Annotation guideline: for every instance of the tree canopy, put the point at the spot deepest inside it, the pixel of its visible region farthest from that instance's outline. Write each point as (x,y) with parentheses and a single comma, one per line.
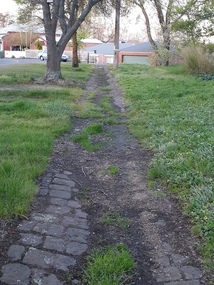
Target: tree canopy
(195,18)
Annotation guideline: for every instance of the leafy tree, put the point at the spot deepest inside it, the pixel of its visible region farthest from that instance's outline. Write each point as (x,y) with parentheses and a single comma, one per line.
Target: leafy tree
(195,19)
(68,15)
(5,19)
(163,9)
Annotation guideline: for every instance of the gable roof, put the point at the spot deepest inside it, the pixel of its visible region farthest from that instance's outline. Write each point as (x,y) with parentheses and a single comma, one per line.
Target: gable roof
(16,28)
(105,48)
(91,41)
(142,47)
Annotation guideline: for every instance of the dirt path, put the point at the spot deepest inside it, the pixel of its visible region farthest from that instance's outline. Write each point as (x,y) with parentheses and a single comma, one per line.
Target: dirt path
(157,235)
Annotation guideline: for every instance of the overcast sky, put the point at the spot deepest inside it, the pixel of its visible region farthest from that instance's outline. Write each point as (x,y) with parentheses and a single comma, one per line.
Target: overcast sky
(129,23)
(8,6)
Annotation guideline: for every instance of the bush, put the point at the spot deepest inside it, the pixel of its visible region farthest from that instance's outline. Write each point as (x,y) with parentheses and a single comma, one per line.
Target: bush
(39,45)
(198,60)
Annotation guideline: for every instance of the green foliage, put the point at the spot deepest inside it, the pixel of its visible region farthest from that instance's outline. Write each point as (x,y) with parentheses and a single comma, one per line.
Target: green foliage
(39,45)
(194,18)
(111,265)
(162,56)
(115,219)
(171,112)
(113,169)
(84,137)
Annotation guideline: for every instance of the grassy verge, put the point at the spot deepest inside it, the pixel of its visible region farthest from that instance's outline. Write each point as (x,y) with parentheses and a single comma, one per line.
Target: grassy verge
(172,113)
(111,265)
(30,120)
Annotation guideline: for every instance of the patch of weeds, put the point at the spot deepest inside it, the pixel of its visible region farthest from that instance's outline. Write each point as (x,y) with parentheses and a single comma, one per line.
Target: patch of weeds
(83,138)
(85,193)
(107,106)
(68,277)
(152,184)
(94,129)
(105,88)
(110,121)
(85,142)
(110,265)
(91,95)
(113,169)
(115,219)
(89,110)
(160,194)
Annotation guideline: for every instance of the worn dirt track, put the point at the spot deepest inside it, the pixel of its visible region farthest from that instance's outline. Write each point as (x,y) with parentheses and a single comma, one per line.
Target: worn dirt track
(157,235)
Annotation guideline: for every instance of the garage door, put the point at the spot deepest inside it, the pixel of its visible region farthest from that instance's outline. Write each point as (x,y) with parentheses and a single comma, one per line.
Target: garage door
(136,59)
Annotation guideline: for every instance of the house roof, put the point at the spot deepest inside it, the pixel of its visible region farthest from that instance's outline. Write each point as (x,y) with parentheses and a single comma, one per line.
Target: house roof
(91,41)
(142,47)
(105,48)
(15,28)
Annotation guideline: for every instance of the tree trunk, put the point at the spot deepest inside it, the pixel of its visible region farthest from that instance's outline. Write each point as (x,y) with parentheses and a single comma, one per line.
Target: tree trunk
(75,61)
(117,34)
(53,64)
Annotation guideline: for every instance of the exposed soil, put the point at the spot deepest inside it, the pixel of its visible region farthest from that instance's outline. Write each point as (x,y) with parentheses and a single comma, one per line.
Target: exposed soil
(156,229)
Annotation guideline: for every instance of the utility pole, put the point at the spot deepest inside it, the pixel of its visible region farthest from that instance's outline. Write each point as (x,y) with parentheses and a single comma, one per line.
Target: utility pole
(117,33)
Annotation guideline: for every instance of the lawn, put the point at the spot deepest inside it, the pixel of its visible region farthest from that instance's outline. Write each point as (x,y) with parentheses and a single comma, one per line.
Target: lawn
(171,112)
(31,117)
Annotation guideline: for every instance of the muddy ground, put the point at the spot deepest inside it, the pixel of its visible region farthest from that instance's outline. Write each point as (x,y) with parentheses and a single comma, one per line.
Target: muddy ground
(151,223)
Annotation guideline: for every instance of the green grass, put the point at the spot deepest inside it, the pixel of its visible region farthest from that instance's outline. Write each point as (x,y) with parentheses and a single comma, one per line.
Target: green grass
(115,219)
(172,113)
(113,169)
(84,137)
(109,266)
(24,74)
(30,120)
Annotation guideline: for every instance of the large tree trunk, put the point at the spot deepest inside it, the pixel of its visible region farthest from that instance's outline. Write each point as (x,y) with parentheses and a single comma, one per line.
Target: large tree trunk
(53,64)
(75,61)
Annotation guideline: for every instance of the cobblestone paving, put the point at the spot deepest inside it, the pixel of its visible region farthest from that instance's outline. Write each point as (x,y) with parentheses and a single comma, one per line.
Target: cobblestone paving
(50,239)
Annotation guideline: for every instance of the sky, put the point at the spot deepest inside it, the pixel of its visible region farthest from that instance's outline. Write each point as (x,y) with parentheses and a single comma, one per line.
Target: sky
(8,6)
(11,7)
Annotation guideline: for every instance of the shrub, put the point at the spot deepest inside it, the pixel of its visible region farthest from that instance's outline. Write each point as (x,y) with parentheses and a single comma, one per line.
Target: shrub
(198,60)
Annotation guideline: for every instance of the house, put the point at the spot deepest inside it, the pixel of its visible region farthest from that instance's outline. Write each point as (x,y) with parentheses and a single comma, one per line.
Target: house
(17,40)
(142,53)
(101,53)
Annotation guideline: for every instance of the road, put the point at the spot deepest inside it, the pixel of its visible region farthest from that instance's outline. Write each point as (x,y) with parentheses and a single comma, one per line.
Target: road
(12,61)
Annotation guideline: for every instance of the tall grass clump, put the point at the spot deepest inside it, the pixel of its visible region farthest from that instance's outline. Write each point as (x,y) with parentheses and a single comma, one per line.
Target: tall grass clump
(109,266)
(198,60)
